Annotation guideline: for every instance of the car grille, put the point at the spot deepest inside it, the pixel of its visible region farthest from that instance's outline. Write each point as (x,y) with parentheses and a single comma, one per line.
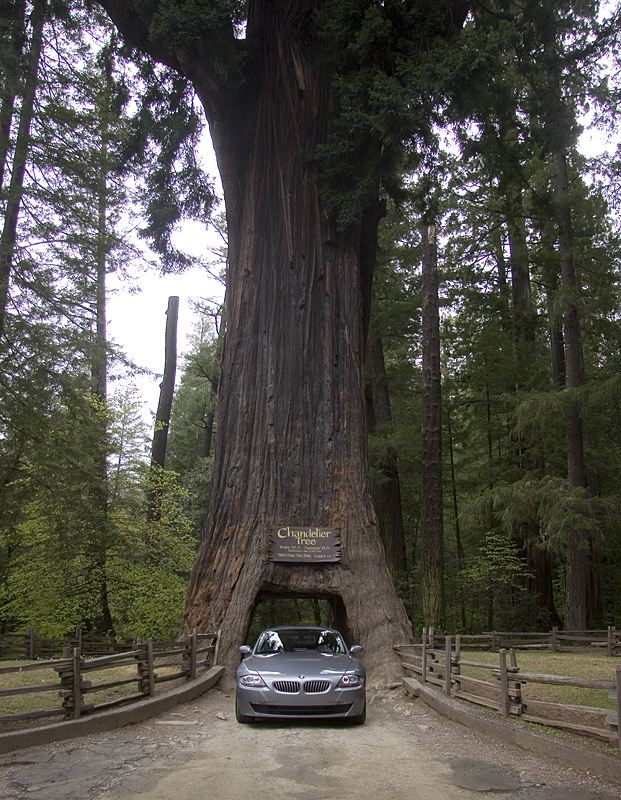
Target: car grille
(301,711)
(291,687)
(313,687)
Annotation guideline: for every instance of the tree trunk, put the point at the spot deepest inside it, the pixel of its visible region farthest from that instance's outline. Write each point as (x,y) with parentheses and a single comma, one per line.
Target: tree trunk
(99,373)
(387,494)
(167,386)
(164,407)
(15,17)
(20,157)
(577,545)
(291,444)
(432,527)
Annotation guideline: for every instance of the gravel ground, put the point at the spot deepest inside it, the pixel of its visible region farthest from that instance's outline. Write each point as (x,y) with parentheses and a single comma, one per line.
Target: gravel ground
(404,751)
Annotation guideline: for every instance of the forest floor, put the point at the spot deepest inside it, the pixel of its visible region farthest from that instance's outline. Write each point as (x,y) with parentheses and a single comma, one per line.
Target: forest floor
(404,751)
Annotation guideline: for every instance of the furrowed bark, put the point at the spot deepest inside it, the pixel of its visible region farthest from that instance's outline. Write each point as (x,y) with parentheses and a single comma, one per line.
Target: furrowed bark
(291,444)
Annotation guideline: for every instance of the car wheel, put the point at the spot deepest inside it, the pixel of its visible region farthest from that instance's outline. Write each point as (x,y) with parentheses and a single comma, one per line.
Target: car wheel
(360,718)
(243,718)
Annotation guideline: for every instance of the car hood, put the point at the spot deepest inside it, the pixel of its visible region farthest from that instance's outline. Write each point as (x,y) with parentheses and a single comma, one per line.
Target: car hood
(298,664)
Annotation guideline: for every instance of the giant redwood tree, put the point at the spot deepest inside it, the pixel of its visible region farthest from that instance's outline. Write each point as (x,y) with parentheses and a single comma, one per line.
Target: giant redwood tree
(309,104)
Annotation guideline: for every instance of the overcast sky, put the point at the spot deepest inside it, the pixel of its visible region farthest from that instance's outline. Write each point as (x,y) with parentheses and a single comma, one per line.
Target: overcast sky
(137,321)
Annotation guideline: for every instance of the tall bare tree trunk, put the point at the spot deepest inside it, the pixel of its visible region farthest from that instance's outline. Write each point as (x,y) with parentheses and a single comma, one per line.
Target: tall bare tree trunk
(577,544)
(20,157)
(164,407)
(15,22)
(432,518)
(99,372)
(387,494)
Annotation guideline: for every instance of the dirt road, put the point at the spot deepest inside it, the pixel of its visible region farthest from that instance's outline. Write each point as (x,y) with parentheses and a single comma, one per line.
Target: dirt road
(404,752)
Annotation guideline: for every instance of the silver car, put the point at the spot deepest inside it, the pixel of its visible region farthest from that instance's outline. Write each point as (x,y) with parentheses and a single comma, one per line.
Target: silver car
(296,672)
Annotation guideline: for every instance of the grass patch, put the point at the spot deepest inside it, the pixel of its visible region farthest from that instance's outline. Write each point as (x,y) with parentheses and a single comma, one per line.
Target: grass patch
(45,700)
(576,666)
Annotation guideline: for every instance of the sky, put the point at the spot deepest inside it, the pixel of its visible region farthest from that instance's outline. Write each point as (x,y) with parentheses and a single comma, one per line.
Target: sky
(137,321)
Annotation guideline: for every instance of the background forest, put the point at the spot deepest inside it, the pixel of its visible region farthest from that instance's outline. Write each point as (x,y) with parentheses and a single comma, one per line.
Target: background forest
(492,367)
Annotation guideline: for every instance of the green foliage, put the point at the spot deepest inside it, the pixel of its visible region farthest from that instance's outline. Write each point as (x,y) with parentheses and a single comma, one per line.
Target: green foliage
(61,555)
(492,580)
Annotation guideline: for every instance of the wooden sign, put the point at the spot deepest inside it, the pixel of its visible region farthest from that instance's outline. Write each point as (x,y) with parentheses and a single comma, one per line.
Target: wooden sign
(305,545)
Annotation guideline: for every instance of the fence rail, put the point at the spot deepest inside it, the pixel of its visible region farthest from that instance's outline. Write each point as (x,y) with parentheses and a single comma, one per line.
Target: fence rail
(185,657)
(606,642)
(442,668)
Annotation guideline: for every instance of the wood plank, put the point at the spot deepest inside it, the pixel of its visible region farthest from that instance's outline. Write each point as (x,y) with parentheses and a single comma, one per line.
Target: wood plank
(599,733)
(414,667)
(476,683)
(477,664)
(50,712)
(612,719)
(58,662)
(103,661)
(42,687)
(564,680)
(545,706)
(129,698)
(101,685)
(172,677)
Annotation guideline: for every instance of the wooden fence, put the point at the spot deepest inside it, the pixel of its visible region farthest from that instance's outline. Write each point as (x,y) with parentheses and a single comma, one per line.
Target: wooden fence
(604,642)
(29,646)
(184,657)
(442,669)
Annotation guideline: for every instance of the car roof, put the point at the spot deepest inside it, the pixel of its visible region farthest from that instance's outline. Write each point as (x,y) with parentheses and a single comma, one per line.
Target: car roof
(299,627)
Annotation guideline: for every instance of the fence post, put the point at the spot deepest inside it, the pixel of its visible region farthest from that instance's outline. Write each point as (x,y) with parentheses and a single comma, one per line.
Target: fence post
(610,641)
(217,647)
(493,644)
(517,686)
(150,668)
(504,684)
(432,639)
(555,639)
(30,645)
(77,683)
(78,636)
(193,641)
(447,666)
(423,673)
(618,706)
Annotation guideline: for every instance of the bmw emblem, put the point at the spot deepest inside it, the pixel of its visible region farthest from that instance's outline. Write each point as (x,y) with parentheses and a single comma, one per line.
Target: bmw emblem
(301,677)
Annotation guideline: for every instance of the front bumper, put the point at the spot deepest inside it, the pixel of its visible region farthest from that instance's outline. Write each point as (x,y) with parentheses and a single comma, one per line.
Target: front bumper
(267,703)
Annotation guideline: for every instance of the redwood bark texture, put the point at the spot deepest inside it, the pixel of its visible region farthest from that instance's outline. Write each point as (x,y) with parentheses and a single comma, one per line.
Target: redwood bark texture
(291,444)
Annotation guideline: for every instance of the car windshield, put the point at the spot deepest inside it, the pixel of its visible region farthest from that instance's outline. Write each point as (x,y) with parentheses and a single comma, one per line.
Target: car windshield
(293,640)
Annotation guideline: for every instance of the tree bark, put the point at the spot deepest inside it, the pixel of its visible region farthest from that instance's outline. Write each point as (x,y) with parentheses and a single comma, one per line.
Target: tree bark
(432,525)
(387,494)
(20,157)
(164,407)
(291,444)
(577,545)
(15,15)
(167,386)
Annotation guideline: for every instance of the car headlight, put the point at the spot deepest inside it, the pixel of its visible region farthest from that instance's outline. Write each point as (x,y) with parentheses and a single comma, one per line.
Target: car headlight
(347,681)
(251,680)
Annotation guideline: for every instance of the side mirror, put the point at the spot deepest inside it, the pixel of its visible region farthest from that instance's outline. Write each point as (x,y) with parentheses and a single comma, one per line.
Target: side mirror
(245,649)
(357,648)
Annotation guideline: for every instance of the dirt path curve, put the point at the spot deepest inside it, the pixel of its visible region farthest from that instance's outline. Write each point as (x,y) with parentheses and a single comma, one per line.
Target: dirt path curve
(404,752)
